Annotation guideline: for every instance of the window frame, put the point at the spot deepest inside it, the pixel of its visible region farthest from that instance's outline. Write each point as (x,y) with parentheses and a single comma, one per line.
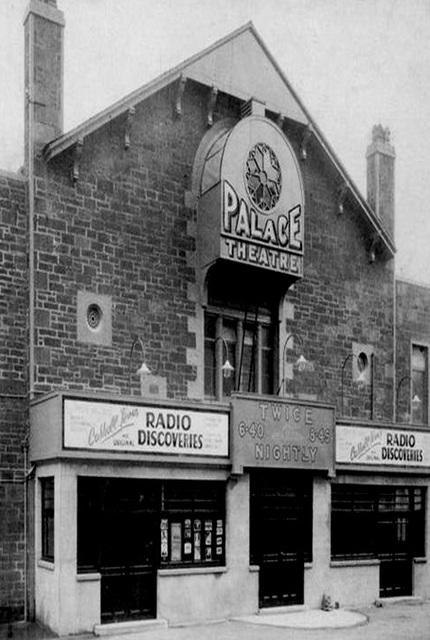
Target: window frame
(47,508)
(192,526)
(420,414)
(380,510)
(255,326)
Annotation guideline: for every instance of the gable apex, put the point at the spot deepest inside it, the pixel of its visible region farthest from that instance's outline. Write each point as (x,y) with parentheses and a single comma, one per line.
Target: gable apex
(240,65)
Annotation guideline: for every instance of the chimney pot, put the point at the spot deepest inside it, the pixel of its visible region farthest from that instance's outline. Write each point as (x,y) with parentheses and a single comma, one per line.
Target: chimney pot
(380,176)
(43,24)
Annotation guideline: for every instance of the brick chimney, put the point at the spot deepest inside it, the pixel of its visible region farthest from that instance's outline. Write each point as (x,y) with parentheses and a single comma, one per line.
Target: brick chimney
(43,25)
(380,176)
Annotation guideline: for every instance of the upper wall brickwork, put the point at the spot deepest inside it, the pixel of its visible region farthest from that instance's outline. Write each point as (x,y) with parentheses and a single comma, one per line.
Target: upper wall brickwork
(123,230)
(13,389)
(343,298)
(13,284)
(412,327)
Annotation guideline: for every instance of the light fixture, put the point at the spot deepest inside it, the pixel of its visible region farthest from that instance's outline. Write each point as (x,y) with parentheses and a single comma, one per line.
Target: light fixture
(143,369)
(227,368)
(362,366)
(301,364)
(415,400)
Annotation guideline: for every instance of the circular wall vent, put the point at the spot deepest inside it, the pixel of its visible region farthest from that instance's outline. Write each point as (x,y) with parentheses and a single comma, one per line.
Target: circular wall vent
(94,316)
(362,362)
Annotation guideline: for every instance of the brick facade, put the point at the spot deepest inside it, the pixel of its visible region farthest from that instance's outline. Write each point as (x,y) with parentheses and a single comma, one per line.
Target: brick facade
(13,391)
(412,327)
(115,217)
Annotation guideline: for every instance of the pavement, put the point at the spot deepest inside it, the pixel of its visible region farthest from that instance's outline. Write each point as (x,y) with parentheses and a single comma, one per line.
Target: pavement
(398,620)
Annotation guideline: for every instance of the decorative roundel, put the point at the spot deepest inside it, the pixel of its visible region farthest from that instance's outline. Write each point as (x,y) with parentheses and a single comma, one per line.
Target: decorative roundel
(263,177)
(94,316)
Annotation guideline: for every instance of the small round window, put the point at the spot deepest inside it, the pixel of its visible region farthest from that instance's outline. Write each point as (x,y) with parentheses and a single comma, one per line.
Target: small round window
(263,177)
(94,316)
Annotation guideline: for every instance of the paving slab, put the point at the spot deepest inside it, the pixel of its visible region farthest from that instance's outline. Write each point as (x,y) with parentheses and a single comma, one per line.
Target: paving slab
(311,619)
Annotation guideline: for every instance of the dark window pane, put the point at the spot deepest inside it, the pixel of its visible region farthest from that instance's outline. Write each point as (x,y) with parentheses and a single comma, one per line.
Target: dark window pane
(419,400)
(266,360)
(210,361)
(47,490)
(249,356)
(229,351)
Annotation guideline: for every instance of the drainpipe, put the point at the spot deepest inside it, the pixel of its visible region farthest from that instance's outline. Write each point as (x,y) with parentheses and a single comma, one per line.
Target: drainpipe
(394,347)
(30,106)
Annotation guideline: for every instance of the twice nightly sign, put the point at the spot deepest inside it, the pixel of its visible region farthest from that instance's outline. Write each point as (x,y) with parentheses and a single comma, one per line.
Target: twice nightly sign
(105,426)
(281,434)
(362,445)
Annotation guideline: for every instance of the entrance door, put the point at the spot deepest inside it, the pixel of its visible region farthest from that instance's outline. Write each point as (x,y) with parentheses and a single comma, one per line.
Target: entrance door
(280,531)
(395,556)
(127,552)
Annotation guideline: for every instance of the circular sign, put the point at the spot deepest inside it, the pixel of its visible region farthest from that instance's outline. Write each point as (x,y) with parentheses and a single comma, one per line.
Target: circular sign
(263,177)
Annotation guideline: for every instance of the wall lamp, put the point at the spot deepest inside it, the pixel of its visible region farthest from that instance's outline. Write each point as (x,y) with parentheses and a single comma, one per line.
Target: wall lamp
(301,364)
(415,400)
(362,366)
(143,369)
(227,368)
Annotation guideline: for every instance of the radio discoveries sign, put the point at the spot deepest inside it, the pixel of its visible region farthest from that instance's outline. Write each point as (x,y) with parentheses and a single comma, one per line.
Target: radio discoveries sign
(361,445)
(103,426)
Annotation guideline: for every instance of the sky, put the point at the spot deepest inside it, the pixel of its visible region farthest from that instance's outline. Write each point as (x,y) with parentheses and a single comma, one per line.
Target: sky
(354,64)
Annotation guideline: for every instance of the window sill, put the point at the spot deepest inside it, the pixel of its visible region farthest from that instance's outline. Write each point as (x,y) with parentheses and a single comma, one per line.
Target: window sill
(46,564)
(190,571)
(355,563)
(88,577)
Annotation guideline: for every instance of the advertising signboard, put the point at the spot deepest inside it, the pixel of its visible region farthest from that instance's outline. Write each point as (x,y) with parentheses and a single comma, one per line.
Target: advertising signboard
(279,433)
(111,426)
(382,446)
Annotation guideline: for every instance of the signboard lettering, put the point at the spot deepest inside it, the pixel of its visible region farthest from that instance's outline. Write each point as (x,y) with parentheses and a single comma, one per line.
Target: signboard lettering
(362,445)
(144,429)
(272,242)
(281,434)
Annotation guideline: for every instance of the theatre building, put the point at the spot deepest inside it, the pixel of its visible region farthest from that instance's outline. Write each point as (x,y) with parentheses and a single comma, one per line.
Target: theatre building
(228,389)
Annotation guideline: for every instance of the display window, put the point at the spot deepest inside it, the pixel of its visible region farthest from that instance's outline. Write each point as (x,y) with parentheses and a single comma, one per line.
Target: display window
(192,524)
(186,520)
(369,521)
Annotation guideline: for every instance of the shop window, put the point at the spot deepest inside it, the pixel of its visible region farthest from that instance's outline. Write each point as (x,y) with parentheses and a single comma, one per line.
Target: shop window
(192,524)
(47,503)
(165,523)
(353,512)
(419,400)
(368,521)
(418,522)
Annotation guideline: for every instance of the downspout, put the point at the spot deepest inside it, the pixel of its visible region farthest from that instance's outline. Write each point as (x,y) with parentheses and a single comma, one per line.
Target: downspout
(394,347)
(30,103)
(31,288)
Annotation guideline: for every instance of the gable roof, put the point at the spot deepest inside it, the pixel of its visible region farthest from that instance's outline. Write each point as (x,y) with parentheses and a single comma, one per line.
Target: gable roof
(240,65)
